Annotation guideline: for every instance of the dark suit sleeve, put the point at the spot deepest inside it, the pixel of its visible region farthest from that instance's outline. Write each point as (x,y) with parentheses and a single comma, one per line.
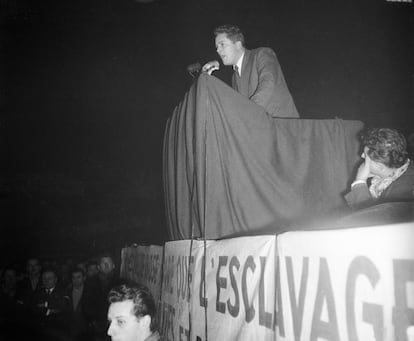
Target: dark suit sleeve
(271,91)
(59,302)
(268,73)
(402,189)
(90,303)
(359,197)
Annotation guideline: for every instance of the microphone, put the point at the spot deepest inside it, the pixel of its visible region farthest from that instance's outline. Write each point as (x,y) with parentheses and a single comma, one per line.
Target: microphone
(211,66)
(194,69)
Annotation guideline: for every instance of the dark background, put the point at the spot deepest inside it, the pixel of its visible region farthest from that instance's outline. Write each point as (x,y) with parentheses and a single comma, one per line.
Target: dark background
(87,87)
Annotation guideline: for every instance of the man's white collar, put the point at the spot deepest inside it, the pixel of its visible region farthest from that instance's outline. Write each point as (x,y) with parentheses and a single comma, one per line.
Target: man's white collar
(240,63)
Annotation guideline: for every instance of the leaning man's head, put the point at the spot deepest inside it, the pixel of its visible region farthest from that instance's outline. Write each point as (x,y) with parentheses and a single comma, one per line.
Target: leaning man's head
(131,313)
(387,146)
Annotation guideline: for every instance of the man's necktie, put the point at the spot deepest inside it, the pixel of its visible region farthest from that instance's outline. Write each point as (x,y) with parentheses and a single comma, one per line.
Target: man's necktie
(237,78)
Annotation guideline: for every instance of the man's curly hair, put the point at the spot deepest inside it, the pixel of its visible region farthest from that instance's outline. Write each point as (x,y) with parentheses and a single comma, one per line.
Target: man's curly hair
(141,297)
(387,146)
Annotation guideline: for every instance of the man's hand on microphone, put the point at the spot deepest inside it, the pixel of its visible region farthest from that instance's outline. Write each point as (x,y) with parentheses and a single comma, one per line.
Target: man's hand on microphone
(210,67)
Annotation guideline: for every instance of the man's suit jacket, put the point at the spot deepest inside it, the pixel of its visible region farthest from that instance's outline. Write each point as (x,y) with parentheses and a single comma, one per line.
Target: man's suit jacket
(262,81)
(81,318)
(55,314)
(401,189)
(25,292)
(88,303)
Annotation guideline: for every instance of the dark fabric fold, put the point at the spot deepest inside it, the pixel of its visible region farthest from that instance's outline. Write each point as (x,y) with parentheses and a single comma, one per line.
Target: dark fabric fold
(230,169)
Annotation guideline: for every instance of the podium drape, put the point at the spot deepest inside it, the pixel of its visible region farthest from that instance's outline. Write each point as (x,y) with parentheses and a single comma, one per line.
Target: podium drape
(230,169)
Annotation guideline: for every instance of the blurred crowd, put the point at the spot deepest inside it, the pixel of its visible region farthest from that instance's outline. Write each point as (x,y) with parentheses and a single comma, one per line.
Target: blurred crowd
(47,300)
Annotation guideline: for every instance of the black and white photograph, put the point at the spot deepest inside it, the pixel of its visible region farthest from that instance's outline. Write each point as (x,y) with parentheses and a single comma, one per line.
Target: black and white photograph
(207,170)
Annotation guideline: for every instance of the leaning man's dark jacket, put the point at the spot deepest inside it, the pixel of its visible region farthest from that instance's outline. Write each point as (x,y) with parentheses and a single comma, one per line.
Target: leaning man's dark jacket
(402,189)
(262,81)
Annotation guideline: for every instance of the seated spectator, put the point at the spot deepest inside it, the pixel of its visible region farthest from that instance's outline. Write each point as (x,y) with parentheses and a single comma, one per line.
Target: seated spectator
(92,270)
(82,265)
(107,278)
(14,324)
(83,306)
(386,173)
(30,284)
(132,314)
(50,304)
(92,273)
(64,274)
(8,283)
(8,288)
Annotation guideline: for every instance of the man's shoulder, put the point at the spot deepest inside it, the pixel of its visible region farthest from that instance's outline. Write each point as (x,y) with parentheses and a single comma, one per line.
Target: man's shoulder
(408,175)
(406,181)
(262,55)
(58,291)
(410,169)
(262,51)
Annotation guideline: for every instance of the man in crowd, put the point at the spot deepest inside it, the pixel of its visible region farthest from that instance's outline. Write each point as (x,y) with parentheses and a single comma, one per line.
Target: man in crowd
(92,270)
(83,306)
(257,73)
(132,314)
(30,284)
(50,304)
(8,287)
(107,278)
(13,320)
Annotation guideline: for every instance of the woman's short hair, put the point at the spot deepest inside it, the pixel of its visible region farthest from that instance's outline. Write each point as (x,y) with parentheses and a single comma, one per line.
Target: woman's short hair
(233,32)
(141,297)
(387,146)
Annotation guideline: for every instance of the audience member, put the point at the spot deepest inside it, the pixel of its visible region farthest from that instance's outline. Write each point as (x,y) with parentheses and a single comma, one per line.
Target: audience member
(82,265)
(107,279)
(64,274)
(83,306)
(132,314)
(8,289)
(386,173)
(50,304)
(92,270)
(14,325)
(31,283)
(8,283)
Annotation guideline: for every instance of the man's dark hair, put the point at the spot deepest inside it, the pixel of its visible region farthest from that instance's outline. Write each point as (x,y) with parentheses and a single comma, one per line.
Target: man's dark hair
(7,268)
(233,32)
(387,146)
(33,258)
(77,269)
(91,262)
(50,269)
(105,255)
(141,297)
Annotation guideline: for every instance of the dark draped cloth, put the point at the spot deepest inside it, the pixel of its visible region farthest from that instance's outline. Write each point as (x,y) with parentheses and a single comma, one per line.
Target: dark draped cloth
(230,169)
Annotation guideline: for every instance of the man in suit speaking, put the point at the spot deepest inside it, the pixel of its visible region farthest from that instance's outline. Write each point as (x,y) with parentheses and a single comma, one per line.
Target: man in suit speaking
(257,73)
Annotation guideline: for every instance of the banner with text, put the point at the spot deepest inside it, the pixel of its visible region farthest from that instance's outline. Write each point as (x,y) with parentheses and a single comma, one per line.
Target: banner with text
(143,264)
(178,269)
(239,291)
(353,284)
(232,289)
